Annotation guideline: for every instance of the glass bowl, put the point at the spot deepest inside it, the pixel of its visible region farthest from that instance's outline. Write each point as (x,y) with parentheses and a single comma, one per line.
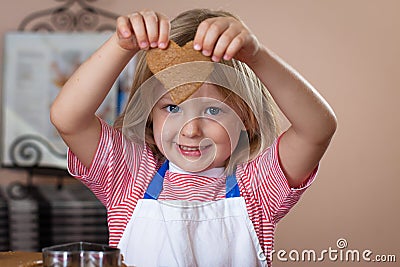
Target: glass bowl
(81,254)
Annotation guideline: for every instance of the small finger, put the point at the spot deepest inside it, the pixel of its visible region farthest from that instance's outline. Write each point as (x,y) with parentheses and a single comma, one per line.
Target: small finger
(124,29)
(235,46)
(201,33)
(139,30)
(223,43)
(164,31)
(212,35)
(151,24)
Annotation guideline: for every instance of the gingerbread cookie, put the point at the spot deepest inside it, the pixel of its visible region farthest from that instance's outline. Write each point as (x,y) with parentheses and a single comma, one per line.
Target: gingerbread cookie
(164,64)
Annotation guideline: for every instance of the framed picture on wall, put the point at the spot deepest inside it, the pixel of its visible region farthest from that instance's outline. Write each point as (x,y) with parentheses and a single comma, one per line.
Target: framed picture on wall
(36,66)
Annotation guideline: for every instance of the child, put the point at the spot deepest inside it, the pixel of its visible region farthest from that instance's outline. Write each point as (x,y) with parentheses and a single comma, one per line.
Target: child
(129,172)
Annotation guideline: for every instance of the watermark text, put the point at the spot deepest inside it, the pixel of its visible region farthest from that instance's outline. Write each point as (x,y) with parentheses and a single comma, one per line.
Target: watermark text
(339,253)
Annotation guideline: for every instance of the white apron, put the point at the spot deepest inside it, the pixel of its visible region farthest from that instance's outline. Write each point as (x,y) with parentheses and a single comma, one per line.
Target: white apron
(183,233)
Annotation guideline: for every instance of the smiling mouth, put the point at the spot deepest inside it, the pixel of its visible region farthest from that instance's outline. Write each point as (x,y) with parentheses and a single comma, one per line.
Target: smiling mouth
(194,151)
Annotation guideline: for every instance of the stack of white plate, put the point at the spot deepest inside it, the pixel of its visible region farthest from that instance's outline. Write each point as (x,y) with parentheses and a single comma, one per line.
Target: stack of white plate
(24,226)
(74,214)
(43,215)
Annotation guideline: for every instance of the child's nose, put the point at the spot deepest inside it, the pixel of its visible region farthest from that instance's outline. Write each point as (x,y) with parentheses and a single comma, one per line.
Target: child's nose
(192,128)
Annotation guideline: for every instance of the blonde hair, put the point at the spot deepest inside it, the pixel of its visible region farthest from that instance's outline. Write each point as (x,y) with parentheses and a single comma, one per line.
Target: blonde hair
(250,98)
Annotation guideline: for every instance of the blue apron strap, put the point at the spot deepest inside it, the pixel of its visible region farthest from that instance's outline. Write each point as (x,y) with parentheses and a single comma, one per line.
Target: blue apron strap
(156,185)
(232,187)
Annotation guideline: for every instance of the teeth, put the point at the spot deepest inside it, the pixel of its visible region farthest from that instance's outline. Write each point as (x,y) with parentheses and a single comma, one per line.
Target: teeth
(191,148)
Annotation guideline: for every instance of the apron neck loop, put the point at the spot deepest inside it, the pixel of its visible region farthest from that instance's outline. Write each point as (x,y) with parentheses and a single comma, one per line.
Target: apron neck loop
(156,185)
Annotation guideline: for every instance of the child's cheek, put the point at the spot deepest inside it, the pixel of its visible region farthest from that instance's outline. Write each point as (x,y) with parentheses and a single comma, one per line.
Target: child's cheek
(163,136)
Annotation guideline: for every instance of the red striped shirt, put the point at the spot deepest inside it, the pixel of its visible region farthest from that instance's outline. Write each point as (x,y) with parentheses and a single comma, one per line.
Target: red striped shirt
(121,171)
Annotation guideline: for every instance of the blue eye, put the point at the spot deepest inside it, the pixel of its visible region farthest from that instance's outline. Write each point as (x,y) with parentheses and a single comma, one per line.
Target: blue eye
(173,108)
(213,110)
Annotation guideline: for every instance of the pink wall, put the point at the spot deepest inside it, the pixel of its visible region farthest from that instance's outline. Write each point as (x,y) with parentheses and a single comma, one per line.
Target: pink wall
(350,51)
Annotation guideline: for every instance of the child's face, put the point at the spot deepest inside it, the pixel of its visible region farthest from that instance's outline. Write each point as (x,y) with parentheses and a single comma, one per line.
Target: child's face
(199,133)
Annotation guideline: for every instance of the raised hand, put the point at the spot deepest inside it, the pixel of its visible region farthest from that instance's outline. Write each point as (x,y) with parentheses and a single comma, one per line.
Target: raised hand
(143,30)
(226,38)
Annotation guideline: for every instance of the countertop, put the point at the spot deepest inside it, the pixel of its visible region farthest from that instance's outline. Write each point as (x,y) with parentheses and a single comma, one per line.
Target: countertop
(20,259)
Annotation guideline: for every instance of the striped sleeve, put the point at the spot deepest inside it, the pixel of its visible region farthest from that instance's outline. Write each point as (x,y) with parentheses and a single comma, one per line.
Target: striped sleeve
(115,157)
(270,185)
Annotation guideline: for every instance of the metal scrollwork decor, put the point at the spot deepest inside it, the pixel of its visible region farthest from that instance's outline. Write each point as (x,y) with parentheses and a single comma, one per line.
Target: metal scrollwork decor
(26,150)
(73,15)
